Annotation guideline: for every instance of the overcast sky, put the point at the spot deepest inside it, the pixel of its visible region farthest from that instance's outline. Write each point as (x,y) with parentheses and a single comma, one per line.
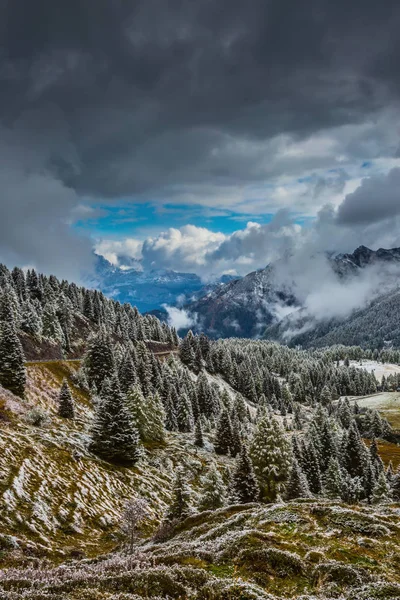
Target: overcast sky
(207,136)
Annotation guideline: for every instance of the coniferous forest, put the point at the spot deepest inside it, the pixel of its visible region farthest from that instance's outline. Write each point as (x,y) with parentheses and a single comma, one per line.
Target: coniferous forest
(239,431)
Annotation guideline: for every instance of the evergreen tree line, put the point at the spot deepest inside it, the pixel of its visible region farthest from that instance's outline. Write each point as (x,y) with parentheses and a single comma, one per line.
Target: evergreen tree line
(43,307)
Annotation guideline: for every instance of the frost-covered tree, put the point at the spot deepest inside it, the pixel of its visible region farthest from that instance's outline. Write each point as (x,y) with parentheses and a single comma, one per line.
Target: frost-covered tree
(127,373)
(223,436)
(271,454)
(243,486)
(198,434)
(12,369)
(213,493)
(395,488)
(99,359)
(354,453)
(134,514)
(187,350)
(381,492)
(155,429)
(333,479)
(136,405)
(65,402)
(180,506)
(114,436)
(51,327)
(184,415)
(297,485)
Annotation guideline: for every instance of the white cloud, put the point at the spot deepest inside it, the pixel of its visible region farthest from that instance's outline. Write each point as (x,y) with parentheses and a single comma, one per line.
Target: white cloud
(114,250)
(179,318)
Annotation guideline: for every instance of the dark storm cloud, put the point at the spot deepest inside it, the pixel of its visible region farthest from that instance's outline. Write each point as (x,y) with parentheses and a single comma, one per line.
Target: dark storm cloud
(376,199)
(145,90)
(120,98)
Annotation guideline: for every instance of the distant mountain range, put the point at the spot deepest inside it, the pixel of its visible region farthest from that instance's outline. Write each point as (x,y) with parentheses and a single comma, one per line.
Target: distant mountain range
(261,305)
(265,304)
(150,290)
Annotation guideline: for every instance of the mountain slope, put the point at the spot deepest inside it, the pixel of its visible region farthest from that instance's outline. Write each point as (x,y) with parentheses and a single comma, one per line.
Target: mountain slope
(305,550)
(248,307)
(56,498)
(373,327)
(241,308)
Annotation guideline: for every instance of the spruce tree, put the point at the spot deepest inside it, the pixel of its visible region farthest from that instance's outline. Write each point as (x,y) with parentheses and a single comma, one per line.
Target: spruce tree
(310,466)
(198,435)
(65,402)
(113,434)
(99,359)
(271,454)
(381,492)
(223,442)
(127,373)
(179,507)
(213,494)
(187,350)
(376,460)
(12,369)
(236,445)
(354,452)
(138,412)
(297,486)
(369,480)
(396,485)
(171,423)
(156,412)
(333,479)
(244,487)
(184,416)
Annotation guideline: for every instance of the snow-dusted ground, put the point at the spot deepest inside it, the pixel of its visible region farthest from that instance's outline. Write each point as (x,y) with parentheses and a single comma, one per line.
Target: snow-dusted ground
(378,368)
(384,400)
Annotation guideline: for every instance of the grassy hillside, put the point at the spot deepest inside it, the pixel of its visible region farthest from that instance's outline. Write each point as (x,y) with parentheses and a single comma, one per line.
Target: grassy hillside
(60,510)
(308,550)
(58,500)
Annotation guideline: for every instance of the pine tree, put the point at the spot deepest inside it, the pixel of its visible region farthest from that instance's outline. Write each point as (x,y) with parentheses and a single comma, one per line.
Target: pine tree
(236,445)
(333,480)
(396,485)
(243,485)
(354,452)
(30,321)
(99,359)
(223,436)
(136,405)
(171,423)
(12,369)
(376,460)
(113,434)
(297,486)
(310,466)
(65,402)
(186,350)
(156,429)
(198,435)
(179,507)
(213,494)
(369,480)
(381,492)
(271,454)
(184,416)
(127,373)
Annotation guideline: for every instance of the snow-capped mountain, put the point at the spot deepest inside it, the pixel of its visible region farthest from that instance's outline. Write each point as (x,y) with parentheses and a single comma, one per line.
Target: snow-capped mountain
(264,301)
(149,290)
